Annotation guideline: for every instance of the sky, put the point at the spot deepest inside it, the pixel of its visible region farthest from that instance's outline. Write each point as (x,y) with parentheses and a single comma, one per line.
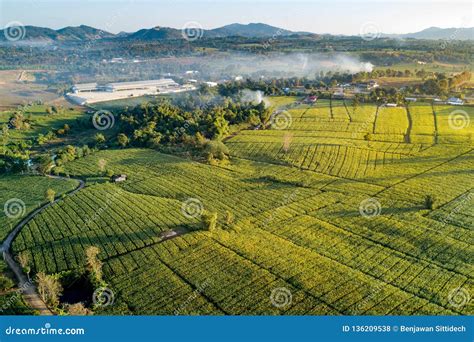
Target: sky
(349,17)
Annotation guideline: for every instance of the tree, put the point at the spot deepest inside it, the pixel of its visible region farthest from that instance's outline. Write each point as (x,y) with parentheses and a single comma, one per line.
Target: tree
(18,121)
(429,202)
(5,136)
(50,195)
(94,265)
(209,221)
(229,218)
(99,139)
(49,288)
(78,309)
(217,149)
(5,283)
(44,164)
(122,140)
(24,261)
(355,103)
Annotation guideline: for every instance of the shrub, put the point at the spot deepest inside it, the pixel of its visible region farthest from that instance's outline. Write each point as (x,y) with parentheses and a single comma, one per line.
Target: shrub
(49,288)
(50,195)
(5,283)
(429,202)
(209,221)
(78,309)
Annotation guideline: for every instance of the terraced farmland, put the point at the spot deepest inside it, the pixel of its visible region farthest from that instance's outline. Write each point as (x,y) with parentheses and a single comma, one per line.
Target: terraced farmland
(326,216)
(22,194)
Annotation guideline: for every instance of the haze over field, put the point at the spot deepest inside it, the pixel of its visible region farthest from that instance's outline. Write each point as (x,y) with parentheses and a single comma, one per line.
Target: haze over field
(289,65)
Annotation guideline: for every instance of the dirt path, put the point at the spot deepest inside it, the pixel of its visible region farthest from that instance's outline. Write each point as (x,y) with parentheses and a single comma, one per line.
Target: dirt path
(27,288)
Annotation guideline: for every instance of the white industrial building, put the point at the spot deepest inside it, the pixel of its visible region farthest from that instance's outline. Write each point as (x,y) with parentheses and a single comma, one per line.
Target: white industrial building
(87,93)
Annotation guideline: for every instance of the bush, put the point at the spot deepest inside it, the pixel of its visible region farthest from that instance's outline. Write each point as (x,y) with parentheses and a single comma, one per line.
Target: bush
(429,202)
(229,218)
(209,221)
(217,149)
(5,283)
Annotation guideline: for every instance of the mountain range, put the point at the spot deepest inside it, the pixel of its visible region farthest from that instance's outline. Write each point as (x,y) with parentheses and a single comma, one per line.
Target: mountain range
(438,33)
(253,30)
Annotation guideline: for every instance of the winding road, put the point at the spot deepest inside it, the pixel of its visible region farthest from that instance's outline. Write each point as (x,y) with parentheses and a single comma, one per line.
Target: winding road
(27,287)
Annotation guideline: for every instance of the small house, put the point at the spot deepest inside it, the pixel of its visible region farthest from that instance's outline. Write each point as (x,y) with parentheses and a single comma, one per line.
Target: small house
(455,101)
(311,99)
(367,85)
(168,234)
(119,178)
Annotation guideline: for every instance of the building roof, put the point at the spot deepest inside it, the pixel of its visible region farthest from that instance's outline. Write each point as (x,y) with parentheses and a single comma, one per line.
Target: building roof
(85,86)
(163,81)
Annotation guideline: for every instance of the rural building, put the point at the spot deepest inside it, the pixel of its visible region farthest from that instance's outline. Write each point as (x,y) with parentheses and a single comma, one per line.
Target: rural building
(391,105)
(153,85)
(168,234)
(311,99)
(119,178)
(85,87)
(367,85)
(87,93)
(339,93)
(410,99)
(455,101)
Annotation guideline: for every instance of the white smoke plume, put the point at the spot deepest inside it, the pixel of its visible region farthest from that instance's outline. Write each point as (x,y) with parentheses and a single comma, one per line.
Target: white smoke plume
(254,97)
(284,65)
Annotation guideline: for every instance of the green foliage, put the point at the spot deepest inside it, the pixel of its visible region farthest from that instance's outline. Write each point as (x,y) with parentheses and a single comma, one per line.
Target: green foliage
(5,283)
(229,218)
(209,221)
(162,122)
(122,140)
(50,195)
(99,139)
(430,202)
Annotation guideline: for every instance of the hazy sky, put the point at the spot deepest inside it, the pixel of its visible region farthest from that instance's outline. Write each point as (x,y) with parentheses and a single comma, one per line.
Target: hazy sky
(336,16)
